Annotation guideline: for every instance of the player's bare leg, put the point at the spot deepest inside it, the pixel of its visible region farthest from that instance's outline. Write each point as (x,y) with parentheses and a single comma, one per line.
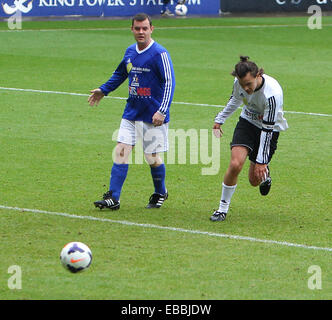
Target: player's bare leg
(238,157)
(254,181)
(264,184)
(122,152)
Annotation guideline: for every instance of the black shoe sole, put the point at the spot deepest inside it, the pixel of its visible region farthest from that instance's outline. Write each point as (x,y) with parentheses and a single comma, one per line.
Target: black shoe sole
(154,205)
(218,219)
(101,206)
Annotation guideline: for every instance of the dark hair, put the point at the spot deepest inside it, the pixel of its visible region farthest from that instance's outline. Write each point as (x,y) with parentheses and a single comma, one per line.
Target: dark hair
(245,66)
(141,17)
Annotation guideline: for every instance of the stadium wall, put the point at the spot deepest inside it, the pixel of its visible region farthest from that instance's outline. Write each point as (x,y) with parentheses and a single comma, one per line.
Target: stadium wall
(270,6)
(97,8)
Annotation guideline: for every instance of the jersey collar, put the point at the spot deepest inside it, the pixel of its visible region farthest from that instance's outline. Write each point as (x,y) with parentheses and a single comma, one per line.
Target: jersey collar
(147,48)
(262,84)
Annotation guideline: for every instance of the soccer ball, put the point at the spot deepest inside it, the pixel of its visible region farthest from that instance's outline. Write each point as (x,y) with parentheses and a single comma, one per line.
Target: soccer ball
(76,256)
(181,9)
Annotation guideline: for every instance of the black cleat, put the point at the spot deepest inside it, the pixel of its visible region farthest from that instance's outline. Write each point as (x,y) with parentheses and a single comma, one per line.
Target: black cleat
(156,200)
(107,202)
(265,186)
(218,216)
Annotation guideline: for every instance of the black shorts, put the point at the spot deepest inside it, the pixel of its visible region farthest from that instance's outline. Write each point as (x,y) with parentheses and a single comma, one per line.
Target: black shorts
(248,135)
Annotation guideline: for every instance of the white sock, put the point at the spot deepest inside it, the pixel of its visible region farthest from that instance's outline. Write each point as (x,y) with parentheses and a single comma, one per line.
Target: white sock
(226,196)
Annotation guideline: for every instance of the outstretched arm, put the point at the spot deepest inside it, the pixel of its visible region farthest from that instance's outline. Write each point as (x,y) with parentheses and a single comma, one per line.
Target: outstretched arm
(117,78)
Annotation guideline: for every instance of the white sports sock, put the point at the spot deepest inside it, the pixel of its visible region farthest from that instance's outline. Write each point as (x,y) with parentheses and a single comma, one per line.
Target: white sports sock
(226,196)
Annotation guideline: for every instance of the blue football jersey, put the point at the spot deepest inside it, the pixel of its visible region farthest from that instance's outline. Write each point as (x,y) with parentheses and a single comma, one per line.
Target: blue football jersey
(151,82)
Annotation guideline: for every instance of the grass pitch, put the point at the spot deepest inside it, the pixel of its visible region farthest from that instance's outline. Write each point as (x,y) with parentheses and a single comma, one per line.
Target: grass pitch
(56,156)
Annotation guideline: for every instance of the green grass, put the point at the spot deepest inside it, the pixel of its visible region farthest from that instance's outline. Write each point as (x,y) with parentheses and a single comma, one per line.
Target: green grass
(56,155)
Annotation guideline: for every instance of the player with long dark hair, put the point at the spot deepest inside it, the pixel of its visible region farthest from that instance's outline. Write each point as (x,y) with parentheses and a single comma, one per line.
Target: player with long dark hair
(256,133)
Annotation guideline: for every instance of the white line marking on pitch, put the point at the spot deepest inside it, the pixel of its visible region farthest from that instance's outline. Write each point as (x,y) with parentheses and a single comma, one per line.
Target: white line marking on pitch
(174,102)
(153,226)
(170,28)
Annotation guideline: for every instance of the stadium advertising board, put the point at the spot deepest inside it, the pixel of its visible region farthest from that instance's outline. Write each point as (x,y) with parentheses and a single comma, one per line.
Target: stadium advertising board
(272,5)
(42,8)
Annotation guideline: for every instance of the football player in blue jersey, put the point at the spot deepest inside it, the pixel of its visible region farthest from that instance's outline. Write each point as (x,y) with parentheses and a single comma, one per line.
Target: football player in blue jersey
(149,69)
